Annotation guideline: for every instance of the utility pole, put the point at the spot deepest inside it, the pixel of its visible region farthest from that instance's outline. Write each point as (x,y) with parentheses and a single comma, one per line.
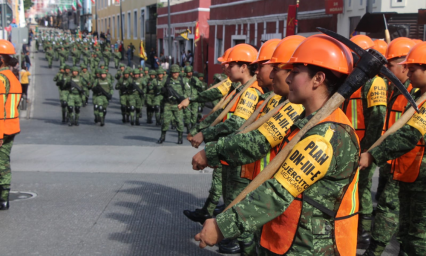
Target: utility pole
(121,24)
(96,16)
(169,32)
(369,6)
(296,25)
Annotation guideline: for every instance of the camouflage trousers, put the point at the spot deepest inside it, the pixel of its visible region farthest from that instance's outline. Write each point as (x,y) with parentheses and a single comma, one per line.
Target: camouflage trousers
(106,61)
(387,216)
(364,192)
(191,113)
(232,186)
(134,101)
(116,62)
(412,227)
(75,61)
(85,61)
(61,60)
(101,104)
(384,173)
(172,112)
(75,101)
(5,170)
(49,60)
(215,191)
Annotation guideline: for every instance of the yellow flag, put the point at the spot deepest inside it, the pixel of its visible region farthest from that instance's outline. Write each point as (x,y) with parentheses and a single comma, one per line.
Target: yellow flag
(142,52)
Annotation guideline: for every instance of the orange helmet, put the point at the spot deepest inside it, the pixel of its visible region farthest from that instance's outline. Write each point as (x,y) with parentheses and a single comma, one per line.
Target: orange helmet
(225,55)
(417,55)
(6,47)
(324,51)
(243,53)
(380,46)
(363,41)
(285,49)
(399,47)
(265,52)
(417,41)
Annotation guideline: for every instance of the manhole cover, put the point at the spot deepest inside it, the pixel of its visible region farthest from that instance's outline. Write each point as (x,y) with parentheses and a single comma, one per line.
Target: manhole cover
(20,195)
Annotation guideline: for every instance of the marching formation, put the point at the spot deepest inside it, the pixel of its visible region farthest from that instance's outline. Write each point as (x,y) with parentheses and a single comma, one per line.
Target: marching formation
(159,90)
(298,129)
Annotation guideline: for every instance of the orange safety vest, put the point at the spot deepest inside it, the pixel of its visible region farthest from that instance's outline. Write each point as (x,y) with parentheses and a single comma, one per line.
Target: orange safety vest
(278,235)
(395,108)
(12,103)
(406,168)
(2,96)
(355,112)
(232,110)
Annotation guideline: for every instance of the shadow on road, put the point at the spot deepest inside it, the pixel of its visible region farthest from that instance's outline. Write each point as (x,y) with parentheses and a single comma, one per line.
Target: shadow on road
(142,138)
(156,216)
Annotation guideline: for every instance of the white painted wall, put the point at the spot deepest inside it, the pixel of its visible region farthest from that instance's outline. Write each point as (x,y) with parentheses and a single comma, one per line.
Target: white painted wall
(354,8)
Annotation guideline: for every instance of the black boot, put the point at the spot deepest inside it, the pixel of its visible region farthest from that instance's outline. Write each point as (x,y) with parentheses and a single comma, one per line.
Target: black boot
(131,121)
(247,248)
(103,120)
(64,117)
(375,248)
(127,118)
(124,118)
(76,122)
(137,121)
(230,248)
(4,198)
(187,128)
(199,215)
(97,119)
(70,121)
(162,138)
(180,135)
(363,234)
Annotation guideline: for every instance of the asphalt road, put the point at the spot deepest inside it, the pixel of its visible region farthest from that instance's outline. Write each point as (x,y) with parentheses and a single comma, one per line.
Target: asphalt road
(99,190)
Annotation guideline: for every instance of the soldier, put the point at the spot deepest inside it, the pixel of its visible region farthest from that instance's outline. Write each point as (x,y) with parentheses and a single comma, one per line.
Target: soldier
(366,109)
(193,87)
(56,48)
(117,58)
(75,97)
(387,216)
(289,225)
(49,55)
(135,91)
(75,53)
(86,56)
(95,60)
(146,71)
(11,90)
(122,85)
(158,100)
(408,169)
(109,76)
(87,80)
(58,78)
(64,87)
(151,85)
(203,88)
(173,93)
(107,56)
(63,56)
(103,90)
(120,72)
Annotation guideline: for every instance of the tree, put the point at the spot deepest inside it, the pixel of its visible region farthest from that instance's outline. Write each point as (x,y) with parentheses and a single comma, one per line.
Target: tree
(27,4)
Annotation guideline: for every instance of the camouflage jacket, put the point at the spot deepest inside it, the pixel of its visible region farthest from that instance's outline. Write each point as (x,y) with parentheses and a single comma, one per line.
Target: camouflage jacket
(238,149)
(314,235)
(235,120)
(400,143)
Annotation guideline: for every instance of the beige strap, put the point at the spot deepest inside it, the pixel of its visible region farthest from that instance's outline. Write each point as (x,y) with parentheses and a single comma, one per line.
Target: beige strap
(234,99)
(253,117)
(222,103)
(217,84)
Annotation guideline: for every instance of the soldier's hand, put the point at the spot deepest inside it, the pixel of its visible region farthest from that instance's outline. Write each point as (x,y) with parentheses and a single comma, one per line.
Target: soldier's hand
(365,160)
(199,161)
(1,143)
(189,137)
(184,104)
(197,140)
(210,234)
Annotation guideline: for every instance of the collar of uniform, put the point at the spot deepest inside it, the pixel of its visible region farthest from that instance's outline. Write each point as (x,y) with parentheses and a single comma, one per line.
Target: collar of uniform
(5,68)
(302,121)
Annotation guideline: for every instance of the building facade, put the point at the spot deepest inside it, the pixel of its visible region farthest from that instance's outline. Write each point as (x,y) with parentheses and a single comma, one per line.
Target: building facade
(136,23)
(254,22)
(185,16)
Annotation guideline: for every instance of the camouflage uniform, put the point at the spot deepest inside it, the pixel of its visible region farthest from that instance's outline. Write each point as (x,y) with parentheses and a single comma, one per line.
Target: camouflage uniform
(193,86)
(203,88)
(87,80)
(101,101)
(107,56)
(75,97)
(75,53)
(171,110)
(411,196)
(134,102)
(117,58)
(63,56)
(151,90)
(158,100)
(122,85)
(271,199)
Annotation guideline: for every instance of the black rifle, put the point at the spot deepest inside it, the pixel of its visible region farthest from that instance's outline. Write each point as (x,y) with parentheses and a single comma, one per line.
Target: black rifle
(100,89)
(74,85)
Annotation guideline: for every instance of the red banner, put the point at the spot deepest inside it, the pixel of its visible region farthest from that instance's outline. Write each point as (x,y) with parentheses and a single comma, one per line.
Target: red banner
(196,34)
(333,6)
(291,20)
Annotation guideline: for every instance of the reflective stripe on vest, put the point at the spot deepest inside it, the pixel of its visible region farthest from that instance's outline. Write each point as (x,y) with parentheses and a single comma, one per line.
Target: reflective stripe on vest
(406,168)
(355,113)
(2,110)
(12,103)
(278,235)
(395,108)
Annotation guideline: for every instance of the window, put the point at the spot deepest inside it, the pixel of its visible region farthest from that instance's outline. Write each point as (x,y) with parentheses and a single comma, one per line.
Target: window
(118,27)
(109,25)
(135,24)
(142,28)
(360,2)
(350,3)
(123,20)
(219,44)
(128,25)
